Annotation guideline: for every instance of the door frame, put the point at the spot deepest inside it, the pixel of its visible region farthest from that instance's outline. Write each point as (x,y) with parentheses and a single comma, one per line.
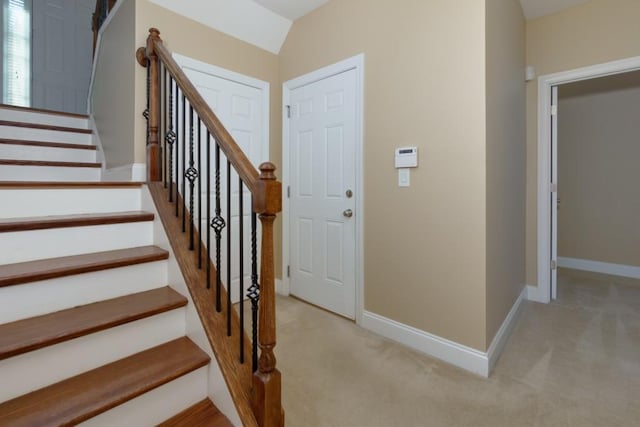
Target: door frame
(263,86)
(353,63)
(542,293)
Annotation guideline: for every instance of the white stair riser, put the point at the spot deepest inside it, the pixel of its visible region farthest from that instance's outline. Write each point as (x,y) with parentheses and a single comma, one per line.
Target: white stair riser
(55,363)
(31,134)
(157,405)
(43,118)
(51,154)
(47,296)
(23,246)
(19,203)
(48,173)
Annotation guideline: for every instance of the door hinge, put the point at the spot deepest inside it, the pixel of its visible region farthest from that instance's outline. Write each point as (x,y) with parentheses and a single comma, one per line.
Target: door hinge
(289,111)
(554,187)
(288,271)
(554,110)
(554,265)
(288,191)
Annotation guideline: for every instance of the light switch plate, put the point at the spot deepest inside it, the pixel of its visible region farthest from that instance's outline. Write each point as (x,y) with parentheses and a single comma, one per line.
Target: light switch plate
(404,177)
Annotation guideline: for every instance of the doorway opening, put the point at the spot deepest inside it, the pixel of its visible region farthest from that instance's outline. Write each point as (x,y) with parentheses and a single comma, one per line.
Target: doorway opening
(550,186)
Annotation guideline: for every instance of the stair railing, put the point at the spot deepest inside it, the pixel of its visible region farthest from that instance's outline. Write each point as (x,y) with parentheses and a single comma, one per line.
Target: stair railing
(183,134)
(103,7)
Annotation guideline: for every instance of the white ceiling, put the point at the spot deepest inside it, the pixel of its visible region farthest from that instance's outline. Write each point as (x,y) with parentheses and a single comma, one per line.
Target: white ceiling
(291,9)
(537,8)
(266,23)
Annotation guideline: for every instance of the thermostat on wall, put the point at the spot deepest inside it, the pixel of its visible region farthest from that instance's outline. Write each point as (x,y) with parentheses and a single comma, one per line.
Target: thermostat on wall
(407,157)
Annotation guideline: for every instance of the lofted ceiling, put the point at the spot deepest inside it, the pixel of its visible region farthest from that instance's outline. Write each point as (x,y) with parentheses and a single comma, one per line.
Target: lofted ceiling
(537,8)
(266,23)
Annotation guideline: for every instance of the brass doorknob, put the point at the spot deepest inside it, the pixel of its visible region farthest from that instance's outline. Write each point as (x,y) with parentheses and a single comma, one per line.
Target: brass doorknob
(348,213)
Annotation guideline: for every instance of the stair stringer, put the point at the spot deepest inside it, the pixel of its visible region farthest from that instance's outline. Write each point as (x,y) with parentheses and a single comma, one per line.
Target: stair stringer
(217,388)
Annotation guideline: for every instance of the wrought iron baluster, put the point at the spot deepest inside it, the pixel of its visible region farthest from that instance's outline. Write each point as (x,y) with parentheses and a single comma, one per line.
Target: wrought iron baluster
(191,174)
(218,225)
(160,118)
(228,248)
(241,266)
(254,291)
(184,162)
(171,139)
(199,193)
(145,113)
(165,157)
(208,210)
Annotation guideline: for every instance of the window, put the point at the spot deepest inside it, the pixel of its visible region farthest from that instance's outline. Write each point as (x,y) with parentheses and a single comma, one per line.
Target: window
(17,52)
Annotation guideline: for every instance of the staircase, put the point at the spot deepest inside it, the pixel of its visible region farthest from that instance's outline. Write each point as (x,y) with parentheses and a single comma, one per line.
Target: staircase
(90,331)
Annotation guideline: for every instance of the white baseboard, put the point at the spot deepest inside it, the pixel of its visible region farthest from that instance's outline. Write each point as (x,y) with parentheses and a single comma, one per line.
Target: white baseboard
(503,334)
(282,287)
(459,355)
(136,172)
(449,351)
(600,267)
(534,294)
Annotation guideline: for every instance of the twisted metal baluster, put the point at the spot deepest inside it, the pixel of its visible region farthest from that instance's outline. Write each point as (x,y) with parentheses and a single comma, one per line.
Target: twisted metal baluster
(254,291)
(171,139)
(191,174)
(184,162)
(200,193)
(208,210)
(218,225)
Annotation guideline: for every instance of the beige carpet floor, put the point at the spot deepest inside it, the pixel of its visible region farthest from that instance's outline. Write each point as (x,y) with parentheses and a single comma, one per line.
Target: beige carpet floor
(575,362)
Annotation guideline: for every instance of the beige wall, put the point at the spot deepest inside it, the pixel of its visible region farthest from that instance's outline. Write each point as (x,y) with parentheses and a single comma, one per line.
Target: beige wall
(190,38)
(112,105)
(598,173)
(424,86)
(592,33)
(506,136)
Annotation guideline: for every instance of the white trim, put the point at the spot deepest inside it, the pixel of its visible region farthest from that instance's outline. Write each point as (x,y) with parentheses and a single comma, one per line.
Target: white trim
(135,172)
(503,334)
(451,352)
(459,355)
(357,63)
(203,67)
(96,54)
(280,290)
(621,270)
(542,292)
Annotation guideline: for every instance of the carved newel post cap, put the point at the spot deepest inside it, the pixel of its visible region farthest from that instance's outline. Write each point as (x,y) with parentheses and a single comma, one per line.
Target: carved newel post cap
(267,171)
(154,32)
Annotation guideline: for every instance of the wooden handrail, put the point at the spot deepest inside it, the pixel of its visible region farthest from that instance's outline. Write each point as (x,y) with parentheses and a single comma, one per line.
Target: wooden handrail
(266,193)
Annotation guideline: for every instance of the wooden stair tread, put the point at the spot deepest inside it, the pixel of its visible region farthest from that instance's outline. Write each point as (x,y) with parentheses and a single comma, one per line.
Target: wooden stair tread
(202,414)
(11,162)
(45,127)
(68,184)
(43,111)
(34,333)
(80,220)
(86,395)
(47,144)
(31,271)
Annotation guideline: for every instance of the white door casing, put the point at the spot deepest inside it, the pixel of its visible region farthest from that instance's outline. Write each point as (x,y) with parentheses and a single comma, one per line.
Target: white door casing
(322,150)
(242,105)
(62,54)
(554,191)
(542,292)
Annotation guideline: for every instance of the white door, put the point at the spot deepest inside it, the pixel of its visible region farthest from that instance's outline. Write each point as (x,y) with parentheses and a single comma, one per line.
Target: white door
(241,104)
(322,195)
(62,54)
(554,192)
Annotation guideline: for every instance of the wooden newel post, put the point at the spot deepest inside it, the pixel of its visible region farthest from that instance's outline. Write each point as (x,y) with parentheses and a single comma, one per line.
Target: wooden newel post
(266,394)
(153,144)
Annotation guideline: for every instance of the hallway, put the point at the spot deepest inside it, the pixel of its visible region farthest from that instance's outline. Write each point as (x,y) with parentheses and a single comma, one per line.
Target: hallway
(575,362)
